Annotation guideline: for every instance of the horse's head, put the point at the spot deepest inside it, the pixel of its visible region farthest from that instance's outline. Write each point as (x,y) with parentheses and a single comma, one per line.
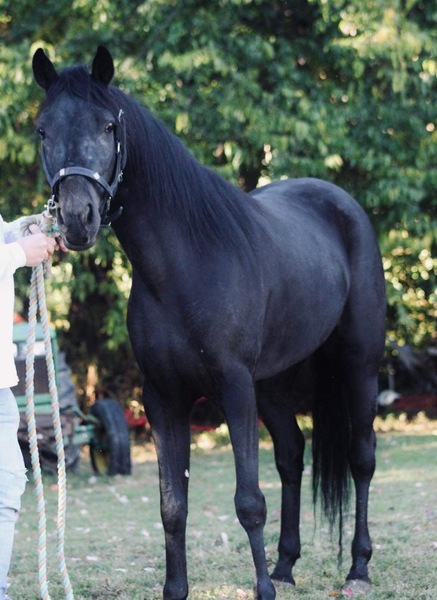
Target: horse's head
(82,135)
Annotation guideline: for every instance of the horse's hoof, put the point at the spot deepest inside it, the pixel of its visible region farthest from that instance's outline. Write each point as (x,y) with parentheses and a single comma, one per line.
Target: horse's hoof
(282,578)
(355,587)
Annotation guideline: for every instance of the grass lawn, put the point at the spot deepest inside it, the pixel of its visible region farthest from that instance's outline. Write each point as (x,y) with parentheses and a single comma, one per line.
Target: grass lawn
(114,537)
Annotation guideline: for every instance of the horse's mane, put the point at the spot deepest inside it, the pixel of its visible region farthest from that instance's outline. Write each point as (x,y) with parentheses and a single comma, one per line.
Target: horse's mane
(165,174)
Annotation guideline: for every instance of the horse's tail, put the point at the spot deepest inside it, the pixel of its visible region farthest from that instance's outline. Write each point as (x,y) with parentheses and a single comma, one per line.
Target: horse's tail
(331,441)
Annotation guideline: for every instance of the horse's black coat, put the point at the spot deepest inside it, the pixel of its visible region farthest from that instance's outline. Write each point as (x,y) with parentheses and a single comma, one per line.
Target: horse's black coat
(231,293)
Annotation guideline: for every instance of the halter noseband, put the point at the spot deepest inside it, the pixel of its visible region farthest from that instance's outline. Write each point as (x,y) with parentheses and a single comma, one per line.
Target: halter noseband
(110,188)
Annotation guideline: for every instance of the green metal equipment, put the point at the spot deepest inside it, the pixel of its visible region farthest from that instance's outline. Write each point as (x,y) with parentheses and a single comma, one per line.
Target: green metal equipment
(104,428)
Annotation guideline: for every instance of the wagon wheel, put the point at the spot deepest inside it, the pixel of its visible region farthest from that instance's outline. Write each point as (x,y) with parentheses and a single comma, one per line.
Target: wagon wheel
(110,444)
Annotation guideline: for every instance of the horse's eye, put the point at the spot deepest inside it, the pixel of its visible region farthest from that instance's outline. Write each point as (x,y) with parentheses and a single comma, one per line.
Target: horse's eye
(109,127)
(41,133)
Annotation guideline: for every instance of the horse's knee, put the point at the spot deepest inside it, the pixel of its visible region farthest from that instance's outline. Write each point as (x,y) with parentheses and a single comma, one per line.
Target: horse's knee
(174,515)
(251,509)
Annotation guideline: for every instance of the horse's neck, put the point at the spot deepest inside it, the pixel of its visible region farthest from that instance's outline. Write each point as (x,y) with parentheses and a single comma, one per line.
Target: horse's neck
(155,247)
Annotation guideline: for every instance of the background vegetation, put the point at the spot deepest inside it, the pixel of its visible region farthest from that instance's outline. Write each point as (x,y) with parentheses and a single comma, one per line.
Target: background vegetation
(259,90)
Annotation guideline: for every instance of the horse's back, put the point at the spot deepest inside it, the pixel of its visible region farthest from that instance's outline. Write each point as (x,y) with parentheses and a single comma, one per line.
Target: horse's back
(310,200)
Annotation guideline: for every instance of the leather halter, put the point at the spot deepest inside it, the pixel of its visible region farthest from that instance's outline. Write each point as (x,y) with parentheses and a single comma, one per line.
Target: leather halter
(106,217)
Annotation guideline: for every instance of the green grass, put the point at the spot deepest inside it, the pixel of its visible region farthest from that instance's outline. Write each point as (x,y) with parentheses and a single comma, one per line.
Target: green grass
(114,538)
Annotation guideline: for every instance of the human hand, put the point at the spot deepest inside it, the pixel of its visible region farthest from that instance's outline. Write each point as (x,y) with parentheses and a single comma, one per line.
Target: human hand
(41,223)
(37,247)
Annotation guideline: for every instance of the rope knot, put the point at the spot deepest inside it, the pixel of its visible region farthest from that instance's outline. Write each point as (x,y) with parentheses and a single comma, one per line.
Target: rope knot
(47,224)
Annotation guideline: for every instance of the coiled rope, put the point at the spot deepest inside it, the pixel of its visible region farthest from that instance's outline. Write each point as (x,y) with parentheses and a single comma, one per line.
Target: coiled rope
(37,300)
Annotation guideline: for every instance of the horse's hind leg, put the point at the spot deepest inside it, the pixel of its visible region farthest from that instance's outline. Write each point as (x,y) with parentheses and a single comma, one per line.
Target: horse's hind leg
(361,335)
(277,412)
(362,406)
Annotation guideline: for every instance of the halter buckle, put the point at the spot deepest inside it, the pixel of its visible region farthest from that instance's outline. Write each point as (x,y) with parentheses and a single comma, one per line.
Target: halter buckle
(51,205)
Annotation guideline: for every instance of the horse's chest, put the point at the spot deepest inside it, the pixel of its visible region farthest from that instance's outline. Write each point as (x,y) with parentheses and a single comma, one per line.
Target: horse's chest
(196,337)
(158,336)
(170,342)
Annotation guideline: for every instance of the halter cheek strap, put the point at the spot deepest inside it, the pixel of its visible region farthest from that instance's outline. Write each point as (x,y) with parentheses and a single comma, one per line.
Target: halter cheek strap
(106,217)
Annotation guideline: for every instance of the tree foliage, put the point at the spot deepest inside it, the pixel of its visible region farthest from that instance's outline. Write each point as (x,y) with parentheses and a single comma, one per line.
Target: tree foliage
(259,90)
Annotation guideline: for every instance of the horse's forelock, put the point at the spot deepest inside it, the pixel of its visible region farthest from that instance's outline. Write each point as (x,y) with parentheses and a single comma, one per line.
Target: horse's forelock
(77,82)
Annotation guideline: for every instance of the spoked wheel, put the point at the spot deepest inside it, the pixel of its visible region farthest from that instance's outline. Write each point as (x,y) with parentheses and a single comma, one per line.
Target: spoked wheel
(110,445)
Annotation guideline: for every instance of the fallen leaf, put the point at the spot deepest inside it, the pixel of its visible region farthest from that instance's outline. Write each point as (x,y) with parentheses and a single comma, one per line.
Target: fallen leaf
(225,539)
(83,529)
(197,534)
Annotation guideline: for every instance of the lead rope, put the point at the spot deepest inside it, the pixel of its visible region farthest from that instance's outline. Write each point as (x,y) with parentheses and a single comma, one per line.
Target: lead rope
(37,299)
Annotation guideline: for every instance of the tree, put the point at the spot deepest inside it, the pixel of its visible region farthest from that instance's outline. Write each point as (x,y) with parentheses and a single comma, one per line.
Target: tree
(258,89)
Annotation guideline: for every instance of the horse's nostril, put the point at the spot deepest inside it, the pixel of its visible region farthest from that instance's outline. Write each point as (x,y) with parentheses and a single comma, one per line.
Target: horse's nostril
(90,215)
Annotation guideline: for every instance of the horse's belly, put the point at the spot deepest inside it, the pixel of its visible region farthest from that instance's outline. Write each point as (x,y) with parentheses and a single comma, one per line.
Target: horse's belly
(281,353)
(296,325)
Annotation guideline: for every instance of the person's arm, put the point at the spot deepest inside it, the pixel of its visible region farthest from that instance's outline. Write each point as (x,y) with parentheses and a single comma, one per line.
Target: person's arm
(12,256)
(22,251)
(13,230)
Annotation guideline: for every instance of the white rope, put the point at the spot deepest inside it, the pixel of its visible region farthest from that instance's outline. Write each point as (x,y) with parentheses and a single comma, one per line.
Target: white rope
(38,300)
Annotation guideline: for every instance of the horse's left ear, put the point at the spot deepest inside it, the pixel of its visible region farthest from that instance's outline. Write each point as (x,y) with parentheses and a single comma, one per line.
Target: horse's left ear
(103,66)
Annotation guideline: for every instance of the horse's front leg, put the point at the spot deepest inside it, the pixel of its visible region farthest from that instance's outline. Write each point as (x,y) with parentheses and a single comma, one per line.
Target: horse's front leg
(171,434)
(239,406)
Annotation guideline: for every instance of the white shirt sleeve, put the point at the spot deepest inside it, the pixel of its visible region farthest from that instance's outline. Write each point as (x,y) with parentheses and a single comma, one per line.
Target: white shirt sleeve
(12,230)
(12,255)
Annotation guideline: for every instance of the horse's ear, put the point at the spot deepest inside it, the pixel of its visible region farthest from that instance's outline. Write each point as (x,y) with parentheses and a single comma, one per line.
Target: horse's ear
(103,66)
(43,69)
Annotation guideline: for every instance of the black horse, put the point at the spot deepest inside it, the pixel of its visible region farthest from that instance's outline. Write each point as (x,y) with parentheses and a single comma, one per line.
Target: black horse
(231,294)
